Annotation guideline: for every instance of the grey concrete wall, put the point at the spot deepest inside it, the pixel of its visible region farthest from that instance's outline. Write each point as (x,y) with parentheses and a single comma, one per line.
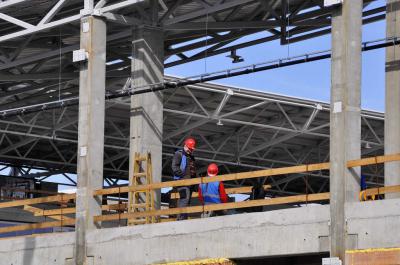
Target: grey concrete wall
(376,223)
(39,250)
(285,232)
(282,232)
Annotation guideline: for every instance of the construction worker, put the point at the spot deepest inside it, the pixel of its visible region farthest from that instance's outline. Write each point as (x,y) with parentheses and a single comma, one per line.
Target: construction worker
(183,167)
(212,192)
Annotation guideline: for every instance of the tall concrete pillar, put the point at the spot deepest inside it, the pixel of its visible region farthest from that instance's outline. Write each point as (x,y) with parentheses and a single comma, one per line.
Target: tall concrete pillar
(146,124)
(345,119)
(91,130)
(392,112)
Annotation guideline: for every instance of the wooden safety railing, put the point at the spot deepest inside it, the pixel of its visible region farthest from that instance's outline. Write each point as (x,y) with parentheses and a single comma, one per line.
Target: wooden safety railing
(217,207)
(240,176)
(227,177)
(373,192)
(124,206)
(60,218)
(58,214)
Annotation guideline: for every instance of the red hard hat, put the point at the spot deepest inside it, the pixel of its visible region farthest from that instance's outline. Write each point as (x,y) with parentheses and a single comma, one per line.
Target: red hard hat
(212,170)
(190,143)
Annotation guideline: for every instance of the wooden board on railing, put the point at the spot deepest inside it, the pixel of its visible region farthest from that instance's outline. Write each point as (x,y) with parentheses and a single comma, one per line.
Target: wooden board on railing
(217,207)
(40,212)
(56,198)
(249,175)
(16,228)
(382,190)
(373,160)
(227,177)
(71,210)
(61,211)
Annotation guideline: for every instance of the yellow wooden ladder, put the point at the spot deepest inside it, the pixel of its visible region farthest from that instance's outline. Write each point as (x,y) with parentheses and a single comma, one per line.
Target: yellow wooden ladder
(141,200)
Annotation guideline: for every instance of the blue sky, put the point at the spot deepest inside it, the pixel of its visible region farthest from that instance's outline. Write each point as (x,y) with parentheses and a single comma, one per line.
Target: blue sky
(309,80)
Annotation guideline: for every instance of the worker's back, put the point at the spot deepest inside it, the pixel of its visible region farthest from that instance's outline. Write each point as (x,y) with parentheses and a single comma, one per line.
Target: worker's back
(210,192)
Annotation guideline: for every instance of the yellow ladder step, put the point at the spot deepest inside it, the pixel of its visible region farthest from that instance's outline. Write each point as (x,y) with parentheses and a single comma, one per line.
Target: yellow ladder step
(138,205)
(140,174)
(141,158)
(140,191)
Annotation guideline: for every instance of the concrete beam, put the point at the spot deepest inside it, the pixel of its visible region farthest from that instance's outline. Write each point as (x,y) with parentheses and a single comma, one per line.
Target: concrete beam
(146,122)
(345,130)
(90,130)
(392,112)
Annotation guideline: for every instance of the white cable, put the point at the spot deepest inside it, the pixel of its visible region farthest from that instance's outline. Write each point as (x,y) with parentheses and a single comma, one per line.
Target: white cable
(206,45)
(59,69)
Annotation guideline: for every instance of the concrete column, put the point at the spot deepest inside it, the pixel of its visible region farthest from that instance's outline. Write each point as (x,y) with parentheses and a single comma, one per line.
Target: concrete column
(146,124)
(345,126)
(91,130)
(392,112)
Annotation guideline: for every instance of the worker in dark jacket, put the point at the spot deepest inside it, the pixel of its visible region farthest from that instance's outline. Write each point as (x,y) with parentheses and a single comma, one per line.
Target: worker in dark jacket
(183,167)
(212,192)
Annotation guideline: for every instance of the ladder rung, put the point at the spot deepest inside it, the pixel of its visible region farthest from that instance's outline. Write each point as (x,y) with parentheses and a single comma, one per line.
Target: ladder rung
(140,174)
(138,205)
(140,191)
(141,158)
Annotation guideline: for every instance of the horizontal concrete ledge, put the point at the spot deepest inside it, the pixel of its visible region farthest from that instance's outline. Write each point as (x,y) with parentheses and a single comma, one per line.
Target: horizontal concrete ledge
(283,232)
(295,231)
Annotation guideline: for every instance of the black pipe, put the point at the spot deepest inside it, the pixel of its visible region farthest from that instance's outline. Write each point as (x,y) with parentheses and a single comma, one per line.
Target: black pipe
(182,83)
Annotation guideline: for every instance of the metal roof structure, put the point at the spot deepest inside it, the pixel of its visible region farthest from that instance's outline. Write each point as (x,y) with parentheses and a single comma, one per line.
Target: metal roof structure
(240,129)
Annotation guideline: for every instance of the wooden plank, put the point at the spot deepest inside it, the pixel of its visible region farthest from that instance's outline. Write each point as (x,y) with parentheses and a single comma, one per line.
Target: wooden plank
(240,190)
(40,212)
(248,175)
(383,256)
(373,160)
(216,207)
(60,211)
(382,190)
(122,206)
(60,217)
(227,177)
(32,209)
(36,226)
(56,198)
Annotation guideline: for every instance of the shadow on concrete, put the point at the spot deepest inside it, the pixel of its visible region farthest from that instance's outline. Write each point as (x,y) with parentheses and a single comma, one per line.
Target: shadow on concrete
(29,248)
